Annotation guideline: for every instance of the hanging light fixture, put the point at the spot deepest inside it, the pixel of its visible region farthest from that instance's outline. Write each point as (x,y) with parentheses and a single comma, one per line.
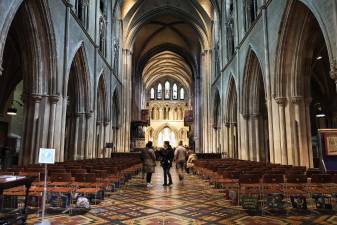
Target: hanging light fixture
(11,111)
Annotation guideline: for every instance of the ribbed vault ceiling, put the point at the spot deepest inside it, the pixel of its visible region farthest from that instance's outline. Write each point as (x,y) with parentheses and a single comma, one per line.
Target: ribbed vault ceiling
(167,64)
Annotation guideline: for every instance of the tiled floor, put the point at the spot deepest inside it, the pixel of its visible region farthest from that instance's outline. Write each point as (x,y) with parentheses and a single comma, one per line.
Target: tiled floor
(193,202)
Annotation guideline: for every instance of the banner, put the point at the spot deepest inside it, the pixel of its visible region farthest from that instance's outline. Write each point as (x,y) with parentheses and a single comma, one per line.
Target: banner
(188,119)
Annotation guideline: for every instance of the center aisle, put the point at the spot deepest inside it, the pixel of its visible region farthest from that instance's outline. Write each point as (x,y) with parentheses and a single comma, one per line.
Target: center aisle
(190,203)
(193,202)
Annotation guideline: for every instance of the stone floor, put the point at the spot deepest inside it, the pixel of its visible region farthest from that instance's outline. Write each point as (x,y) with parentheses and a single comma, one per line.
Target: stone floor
(193,202)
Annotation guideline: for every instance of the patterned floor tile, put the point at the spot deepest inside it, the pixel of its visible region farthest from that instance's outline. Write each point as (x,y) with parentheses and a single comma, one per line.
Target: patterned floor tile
(192,203)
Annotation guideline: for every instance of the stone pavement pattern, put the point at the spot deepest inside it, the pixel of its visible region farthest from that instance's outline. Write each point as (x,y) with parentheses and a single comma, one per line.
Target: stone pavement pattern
(193,202)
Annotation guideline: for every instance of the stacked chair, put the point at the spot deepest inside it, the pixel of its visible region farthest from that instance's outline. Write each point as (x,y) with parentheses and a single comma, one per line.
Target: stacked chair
(271,188)
(91,178)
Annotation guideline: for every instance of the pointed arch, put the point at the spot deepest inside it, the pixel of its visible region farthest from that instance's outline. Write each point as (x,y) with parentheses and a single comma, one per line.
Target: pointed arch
(231,101)
(253,82)
(102,100)
(298,16)
(40,37)
(80,70)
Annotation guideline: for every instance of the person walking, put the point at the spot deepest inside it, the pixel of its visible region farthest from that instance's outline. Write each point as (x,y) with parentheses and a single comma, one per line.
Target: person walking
(180,159)
(190,161)
(149,162)
(166,162)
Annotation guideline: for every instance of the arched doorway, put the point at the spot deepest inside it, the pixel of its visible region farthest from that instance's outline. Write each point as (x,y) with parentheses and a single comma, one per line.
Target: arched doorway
(166,134)
(303,80)
(255,111)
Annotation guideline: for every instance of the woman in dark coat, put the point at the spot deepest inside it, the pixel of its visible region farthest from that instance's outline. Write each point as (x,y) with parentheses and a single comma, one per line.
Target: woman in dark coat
(167,156)
(149,162)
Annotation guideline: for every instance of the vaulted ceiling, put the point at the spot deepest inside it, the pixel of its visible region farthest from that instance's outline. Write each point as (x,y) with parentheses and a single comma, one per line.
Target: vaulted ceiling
(167,37)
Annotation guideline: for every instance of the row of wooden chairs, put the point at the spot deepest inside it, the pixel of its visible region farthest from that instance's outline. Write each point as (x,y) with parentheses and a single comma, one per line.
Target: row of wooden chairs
(262,186)
(90,178)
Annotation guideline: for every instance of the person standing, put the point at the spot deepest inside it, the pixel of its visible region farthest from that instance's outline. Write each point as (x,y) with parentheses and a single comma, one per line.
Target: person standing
(180,158)
(166,162)
(149,160)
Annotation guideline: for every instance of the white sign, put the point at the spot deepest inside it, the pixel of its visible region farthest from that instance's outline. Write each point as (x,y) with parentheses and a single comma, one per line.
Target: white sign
(47,155)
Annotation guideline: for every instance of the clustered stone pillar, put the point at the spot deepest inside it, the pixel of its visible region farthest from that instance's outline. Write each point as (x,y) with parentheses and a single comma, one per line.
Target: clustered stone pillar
(88,151)
(32,151)
(205,96)
(283,133)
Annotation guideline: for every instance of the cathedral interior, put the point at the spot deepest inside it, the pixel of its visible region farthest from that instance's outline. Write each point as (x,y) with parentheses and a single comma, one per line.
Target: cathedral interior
(247,86)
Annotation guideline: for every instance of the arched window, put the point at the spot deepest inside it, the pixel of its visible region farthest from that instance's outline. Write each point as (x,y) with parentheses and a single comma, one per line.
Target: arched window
(167,90)
(230,28)
(175,92)
(182,94)
(82,9)
(250,8)
(159,91)
(160,139)
(102,35)
(152,94)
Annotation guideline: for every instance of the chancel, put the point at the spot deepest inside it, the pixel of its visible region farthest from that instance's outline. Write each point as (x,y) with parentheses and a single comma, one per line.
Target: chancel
(234,101)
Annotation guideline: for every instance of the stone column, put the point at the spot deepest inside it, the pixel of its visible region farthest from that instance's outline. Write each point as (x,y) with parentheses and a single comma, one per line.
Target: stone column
(205,96)
(227,135)
(76,135)
(283,132)
(33,153)
(298,133)
(106,127)
(307,103)
(128,96)
(235,140)
(87,150)
(256,145)
(53,99)
(245,150)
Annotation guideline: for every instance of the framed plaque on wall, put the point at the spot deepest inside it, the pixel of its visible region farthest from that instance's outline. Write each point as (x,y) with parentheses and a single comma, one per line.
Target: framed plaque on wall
(330,140)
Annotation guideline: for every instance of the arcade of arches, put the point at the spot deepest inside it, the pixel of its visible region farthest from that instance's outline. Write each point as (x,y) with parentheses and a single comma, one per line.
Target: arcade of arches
(257,77)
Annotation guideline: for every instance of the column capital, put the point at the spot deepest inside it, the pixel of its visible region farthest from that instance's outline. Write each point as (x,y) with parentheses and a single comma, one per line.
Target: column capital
(281,100)
(234,124)
(245,116)
(79,114)
(254,115)
(36,97)
(297,99)
(106,123)
(54,99)
(88,115)
(227,124)
(99,123)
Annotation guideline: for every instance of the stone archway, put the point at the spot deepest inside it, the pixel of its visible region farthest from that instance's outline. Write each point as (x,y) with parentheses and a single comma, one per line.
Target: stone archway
(303,87)
(79,112)
(28,71)
(254,111)
(101,119)
(231,120)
